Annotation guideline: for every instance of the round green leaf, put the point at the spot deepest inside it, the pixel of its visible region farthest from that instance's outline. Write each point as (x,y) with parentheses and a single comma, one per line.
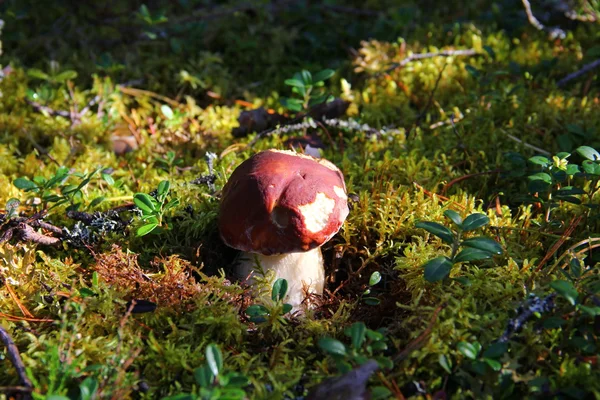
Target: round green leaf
(437,269)
(493,364)
(588,152)
(539,160)
(146,229)
(375,278)
(472,254)
(566,290)
(438,230)
(357,333)
(496,350)
(323,75)
(166,111)
(214,358)
(163,188)
(332,346)
(483,243)
(475,221)
(454,216)
(468,350)
(144,202)
(24,184)
(445,362)
(294,82)
(280,288)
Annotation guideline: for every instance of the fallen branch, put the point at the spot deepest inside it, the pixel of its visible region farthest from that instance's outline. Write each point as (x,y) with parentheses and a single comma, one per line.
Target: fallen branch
(28,234)
(584,70)
(12,352)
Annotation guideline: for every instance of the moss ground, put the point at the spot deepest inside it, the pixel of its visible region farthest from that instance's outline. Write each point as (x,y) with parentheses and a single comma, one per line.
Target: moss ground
(431,135)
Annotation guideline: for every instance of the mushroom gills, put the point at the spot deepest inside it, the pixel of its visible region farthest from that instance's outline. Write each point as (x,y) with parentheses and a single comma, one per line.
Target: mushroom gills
(302,269)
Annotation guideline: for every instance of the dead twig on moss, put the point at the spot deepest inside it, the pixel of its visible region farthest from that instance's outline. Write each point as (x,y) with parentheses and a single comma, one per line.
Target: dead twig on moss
(419,341)
(13,355)
(423,112)
(584,70)
(572,225)
(421,56)
(465,177)
(554,32)
(28,234)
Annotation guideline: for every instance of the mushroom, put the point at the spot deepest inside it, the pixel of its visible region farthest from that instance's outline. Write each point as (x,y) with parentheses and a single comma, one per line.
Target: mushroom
(278,208)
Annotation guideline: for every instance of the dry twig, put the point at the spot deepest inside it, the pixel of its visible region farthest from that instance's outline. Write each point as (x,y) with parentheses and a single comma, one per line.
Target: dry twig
(584,70)
(554,32)
(13,355)
(421,56)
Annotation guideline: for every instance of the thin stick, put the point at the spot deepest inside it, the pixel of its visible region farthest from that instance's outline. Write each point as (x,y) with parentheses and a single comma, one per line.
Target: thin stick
(419,341)
(428,104)
(465,177)
(530,146)
(15,358)
(572,225)
(554,32)
(421,56)
(15,298)
(584,70)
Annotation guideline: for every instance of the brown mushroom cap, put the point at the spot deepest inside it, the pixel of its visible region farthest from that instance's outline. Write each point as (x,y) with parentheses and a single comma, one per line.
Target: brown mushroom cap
(279,201)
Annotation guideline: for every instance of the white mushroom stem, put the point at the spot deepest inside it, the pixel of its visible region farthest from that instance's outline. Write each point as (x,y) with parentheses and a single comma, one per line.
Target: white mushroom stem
(303,271)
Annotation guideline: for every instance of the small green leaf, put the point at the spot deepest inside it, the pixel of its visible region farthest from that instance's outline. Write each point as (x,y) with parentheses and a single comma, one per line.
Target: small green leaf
(588,152)
(38,74)
(375,278)
(292,104)
(475,221)
(108,179)
(24,184)
(286,308)
(65,76)
(496,350)
(144,202)
(146,229)
(592,311)
(539,160)
(214,358)
(203,376)
(445,362)
(484,243)
(294,82)
(306,77)
(257,310)
(280,288)
(357,333)
(167,111)
(372,301)
(163,189)
(323,75)
(438,230)
(463,280)
(437,269)
(493,364)
(468,350)
(553,322)
(454,216)
(566,290)
(85,292)
(472,254)
(332,346)
(96,201)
